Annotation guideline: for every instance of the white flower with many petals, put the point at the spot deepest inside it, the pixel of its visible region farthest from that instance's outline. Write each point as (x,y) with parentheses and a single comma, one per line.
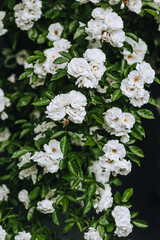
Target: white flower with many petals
(53,148)
(103,199)
(24,198)
(62,45)
(114,150)
(122,219)
(4,191)
(78,67)
(26,13)
(92,234)
(72,103)
(2,233)
(4,135)
(100,175)
(146,71)
(21,57)
(2,29)
(139,51)
(55,31)
(29,173)
(4,102)
(23,235)
(45,206)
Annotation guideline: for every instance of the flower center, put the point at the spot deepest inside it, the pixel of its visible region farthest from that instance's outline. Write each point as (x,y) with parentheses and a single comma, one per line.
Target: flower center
(56,32)
(130,56)
(125,120)
(136,79)
(66,122)
(114,150)
(54,150)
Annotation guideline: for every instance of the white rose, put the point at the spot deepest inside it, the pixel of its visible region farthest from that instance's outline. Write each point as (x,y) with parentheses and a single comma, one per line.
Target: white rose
(99,13)
(55,31)
(23,235)
(2,233)
(77,67)
(116,38)
(4,191)
(4,135)
(53,148)
(45,206)
(62,45)
(94,55)
(24,197)
(113,21)
(92,234)
(146,71)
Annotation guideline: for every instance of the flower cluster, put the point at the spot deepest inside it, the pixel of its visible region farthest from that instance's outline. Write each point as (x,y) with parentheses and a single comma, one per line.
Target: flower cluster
(26,13)
(49,159)
(4,102)
(107,26)
(2,29)
(122,219)
(118,123)
(133,85)
(139,51)
(133,5)
(72,103)
(113,159)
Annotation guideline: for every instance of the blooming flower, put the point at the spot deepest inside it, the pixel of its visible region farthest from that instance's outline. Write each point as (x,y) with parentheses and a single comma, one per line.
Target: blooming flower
(4,102)
(45,206)
(106,25)
(2,29)
(55,31)
(4,191)
(21,57)
(4,135)
(103,199)
(72,103)
(92,234)
(122,219)
(24,198)
(2,233)
(23,235)
(26,13)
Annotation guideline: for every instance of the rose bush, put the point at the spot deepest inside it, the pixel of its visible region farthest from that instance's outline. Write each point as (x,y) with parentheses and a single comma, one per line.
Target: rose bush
(74,76)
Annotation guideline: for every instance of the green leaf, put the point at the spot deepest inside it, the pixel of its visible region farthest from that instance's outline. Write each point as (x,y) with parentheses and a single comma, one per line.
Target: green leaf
(60,74)
(152,5)
(134,214)
(91,190)
(64,144)
(63,163)
(80,225)
(134,158)
(128,47)
(117,197)
(40,237)
(34,193)
(137,151)
(116,94)
(140,129)
(72,166)
(22,151)
(103,221)
(56,217)
(32,34)
(140,223)
(25,75)
(41,101)
(57,134)
(133,36)
(87,206)
(68,227)
(73,25)
(145,113)
(90,141)
(60,60)
(101,231)
(157,80)
(110,227)
(41,38)
(98,117)
(24,101)
(79,32)
(11,4)
(136,135)
(32,59)
(65,204)
(73,135)
(30,213)
(65,54)
(24,132)
(153,102)
(127,194)
(152,12)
